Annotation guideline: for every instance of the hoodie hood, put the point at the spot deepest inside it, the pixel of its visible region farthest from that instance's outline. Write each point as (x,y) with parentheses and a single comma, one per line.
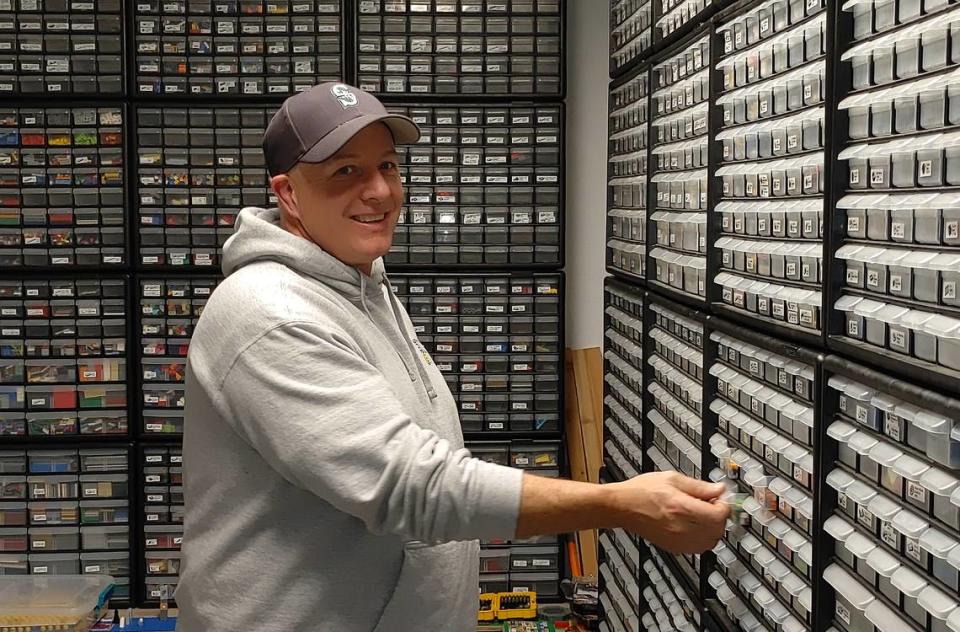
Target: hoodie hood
(258,236)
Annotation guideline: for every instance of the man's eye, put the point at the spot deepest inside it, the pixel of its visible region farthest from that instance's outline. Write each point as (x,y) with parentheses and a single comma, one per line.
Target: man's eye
(388,165)
(349,170)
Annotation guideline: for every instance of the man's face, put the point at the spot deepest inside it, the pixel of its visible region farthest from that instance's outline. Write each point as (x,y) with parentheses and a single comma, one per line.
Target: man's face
(348,204)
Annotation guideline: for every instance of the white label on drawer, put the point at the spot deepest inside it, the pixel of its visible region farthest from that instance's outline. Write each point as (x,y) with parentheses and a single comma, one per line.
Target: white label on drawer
(37,402)
(864,516)
(178,541)
(926,168)
(842,613)
(154,498)
(10,332)
(91,569)
(853,276)
(90,491)
(898,338)
(891,427)
(898,229)
(876,176)
(853,224)
(853,328)
(889,535)
(896,282)
(807,91)
(39,570)
(873,278)
(39,544)
(950,289)
(153,518)
(151,542)
(952,230)
(153,478)
(861,414)
(912,548)
(153,427)
(542,563)
(917,492)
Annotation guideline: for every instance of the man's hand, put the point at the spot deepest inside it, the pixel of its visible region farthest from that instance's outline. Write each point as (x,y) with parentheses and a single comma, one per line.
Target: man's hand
(674,512)
(677,513)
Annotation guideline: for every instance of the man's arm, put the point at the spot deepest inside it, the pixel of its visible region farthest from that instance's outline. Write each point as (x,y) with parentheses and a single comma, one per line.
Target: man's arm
(677,513)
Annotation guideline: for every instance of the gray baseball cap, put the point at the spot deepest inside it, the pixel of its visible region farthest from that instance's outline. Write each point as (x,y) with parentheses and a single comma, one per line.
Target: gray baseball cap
(313,125)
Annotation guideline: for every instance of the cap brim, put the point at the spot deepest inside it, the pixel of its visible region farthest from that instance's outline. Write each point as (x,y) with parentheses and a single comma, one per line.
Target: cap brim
(404,132)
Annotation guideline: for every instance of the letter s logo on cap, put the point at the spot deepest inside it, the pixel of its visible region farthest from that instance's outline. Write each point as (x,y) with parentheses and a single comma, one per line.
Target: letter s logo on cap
(346,98)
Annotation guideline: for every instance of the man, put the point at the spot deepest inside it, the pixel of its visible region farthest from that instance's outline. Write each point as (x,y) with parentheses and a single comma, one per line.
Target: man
(327,486)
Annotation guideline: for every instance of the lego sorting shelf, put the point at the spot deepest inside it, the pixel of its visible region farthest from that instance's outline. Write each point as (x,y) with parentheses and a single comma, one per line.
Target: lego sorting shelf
(897,248)
(627,150)
(631,32)
(770,178)
(169,310)
(226,48)
(196,167)
(56,48)
(449,47)
(893,520)
(161,519)
(483,186)
(532,564)
(497,340)
(680,85)
(620,588)
(63,359)
(623,368)
(66,511)
(62,187)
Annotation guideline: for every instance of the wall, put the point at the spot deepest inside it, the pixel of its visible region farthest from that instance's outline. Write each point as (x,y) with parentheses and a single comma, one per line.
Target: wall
(586,170)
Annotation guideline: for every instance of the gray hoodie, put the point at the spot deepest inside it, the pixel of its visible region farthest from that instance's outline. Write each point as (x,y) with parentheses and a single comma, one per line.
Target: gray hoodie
(326,482)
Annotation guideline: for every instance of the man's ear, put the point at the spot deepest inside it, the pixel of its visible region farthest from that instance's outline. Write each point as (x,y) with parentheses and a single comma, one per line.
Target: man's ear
(282,187)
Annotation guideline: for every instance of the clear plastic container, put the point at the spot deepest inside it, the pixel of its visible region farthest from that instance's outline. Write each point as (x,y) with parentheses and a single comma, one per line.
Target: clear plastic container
(76,601)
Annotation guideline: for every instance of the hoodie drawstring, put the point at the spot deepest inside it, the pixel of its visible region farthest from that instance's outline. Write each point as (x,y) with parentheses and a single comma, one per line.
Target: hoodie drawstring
(395,306)
(431,392)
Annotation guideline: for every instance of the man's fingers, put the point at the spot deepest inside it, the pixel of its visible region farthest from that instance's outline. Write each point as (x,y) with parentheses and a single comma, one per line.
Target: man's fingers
(699,489)
(705,513)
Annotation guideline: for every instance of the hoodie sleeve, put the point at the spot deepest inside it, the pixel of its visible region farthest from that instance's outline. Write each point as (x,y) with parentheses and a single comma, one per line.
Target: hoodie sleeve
(329,422)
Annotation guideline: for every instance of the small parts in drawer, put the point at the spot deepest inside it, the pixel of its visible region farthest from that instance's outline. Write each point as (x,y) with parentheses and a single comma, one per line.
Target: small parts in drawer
(63,189)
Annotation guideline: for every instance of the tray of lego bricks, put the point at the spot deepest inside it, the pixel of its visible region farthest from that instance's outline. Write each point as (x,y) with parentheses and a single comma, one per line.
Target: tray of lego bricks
(63,359)
(61,47)
(450,47)
(231,48)
(483,187)
(62,186)
(169,310)
(196,168)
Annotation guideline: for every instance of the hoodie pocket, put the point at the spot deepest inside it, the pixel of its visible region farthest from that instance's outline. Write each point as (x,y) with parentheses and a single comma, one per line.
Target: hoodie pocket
(436,590)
